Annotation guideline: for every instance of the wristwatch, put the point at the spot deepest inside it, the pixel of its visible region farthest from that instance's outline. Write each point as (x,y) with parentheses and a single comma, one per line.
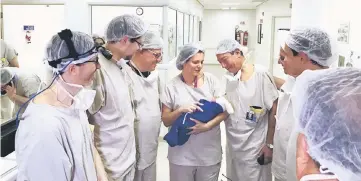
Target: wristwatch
(269,146)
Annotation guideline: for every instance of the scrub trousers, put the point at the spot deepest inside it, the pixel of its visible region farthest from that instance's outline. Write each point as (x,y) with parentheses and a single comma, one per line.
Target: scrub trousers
(194,173)
(237,170)
(128,177)
(148,174)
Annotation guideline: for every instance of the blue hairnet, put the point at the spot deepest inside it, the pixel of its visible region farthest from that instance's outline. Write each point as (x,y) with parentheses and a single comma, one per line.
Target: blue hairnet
(186,53)
(329,117)
(315,43)
(126,25)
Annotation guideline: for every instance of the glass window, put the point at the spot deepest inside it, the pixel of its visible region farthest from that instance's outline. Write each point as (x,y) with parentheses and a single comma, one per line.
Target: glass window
(172,33)
(102,15)
(195,31)
(186,29)
(180,30)
(191,29)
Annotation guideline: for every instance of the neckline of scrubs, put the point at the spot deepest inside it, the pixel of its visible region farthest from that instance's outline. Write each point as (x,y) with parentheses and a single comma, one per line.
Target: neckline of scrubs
(198,87)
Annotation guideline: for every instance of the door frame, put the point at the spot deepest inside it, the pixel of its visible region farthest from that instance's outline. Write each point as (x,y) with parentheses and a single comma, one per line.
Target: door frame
(272,41)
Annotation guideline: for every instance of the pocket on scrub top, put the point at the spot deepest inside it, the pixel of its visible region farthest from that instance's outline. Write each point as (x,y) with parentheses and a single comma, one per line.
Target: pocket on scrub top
(253,115)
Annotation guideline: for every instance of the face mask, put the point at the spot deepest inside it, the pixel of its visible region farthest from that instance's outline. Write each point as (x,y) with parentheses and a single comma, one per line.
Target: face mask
(325,175)
(150,79)
(83,99)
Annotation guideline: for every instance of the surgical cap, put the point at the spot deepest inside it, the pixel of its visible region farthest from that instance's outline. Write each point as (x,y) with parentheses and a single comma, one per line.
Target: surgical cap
(152,41)
(57,48)
(315,43)
(6,76)
(186,53)
(329,117)
(230,45)
(126,25)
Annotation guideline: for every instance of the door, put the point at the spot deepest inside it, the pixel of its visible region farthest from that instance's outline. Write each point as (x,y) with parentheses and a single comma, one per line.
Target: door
(47,23)
(281,29)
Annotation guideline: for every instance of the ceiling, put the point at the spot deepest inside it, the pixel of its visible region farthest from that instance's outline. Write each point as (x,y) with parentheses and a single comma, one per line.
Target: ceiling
(230,4)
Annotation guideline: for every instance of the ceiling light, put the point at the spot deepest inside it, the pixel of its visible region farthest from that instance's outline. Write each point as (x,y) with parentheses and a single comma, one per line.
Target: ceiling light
(230,4)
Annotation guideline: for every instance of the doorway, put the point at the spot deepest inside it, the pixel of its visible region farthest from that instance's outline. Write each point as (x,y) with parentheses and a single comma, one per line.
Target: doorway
(281,28)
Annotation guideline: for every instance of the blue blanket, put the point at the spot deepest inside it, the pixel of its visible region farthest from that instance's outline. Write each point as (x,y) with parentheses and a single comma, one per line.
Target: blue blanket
(178,132)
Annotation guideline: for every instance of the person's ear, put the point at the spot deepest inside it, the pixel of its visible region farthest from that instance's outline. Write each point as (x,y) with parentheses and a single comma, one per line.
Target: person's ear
(72,69)
(304,57)
(305,165)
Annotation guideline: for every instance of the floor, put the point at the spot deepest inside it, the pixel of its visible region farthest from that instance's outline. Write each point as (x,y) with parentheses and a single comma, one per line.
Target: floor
(163,164)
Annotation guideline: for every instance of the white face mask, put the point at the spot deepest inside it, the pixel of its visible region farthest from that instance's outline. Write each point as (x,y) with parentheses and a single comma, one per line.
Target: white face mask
(83,99)
(325,175)
(150,79)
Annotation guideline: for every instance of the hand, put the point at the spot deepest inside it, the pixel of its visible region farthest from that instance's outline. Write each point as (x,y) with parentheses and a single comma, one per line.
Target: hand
(102,178)
(268,152)
(199,127)
(191,108)
(10,92)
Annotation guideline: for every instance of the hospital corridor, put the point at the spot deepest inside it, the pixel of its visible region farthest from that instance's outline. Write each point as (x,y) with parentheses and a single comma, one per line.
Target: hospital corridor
(180,90)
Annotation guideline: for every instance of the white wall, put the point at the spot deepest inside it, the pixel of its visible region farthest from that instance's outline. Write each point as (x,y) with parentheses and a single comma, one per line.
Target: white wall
(220,24)
(328,15)
(270,9)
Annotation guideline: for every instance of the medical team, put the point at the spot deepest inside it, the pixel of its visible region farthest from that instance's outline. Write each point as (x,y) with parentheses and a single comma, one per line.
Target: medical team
(126,103)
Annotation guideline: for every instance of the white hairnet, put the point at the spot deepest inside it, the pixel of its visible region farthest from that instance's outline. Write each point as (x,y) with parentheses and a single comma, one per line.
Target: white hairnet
(57,49)
(187,52)
(329,104)
(6,76)
(126,25)
(230,45)
(151,40)
(315,43)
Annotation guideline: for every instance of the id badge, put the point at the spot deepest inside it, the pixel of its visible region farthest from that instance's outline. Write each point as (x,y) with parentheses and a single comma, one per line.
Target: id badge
(252,116)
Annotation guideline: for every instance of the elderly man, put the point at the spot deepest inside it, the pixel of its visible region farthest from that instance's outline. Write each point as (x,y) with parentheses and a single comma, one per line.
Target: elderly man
(327,110)
(252,92)
(112,112)
(18,86)
(304,49)
(145,89)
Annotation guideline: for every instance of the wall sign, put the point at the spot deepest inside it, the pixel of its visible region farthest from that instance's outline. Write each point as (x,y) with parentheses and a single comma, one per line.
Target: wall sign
(28,29)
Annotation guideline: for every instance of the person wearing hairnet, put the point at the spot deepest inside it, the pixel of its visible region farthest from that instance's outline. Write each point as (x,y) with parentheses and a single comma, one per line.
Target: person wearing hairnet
(199,159)
(54,140)
(252,92)
(145,87)
(305,49)
(18,86)
(112,112)
(328,114)
(8,59)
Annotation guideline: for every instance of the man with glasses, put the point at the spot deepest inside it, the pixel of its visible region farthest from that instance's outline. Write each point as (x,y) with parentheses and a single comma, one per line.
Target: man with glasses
(112,112)
(252,92)
(145,90)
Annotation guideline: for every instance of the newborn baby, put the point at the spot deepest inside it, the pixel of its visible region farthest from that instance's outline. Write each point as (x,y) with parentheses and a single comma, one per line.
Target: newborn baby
(178,134)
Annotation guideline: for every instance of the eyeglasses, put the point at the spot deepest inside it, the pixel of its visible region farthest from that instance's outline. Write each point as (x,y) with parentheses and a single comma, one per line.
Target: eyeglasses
(156,55)
(94,60)
(132,40)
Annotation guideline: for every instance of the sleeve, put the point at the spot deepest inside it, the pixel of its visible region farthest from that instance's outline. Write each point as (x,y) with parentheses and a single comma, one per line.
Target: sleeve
(10,52)
(167,97)
(270,93)
(30,85)
(43,157)
(216,86)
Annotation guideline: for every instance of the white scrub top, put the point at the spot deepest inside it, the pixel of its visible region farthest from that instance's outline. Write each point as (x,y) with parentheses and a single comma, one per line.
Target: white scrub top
(203,149)
(148,115)
(54,143)
(245,140)
(284,126)
(114,122)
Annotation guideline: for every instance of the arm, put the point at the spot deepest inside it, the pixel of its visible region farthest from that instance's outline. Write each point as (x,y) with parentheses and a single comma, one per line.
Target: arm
(14,62)
(279,82)
(217,120)
(169,116)
(271,123)
(19,99)
(203,127)
(101,174)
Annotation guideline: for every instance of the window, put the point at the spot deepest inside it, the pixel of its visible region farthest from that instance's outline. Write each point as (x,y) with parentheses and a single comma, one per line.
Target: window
(191,29)
(180,30)
(186,29)
(172,33)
